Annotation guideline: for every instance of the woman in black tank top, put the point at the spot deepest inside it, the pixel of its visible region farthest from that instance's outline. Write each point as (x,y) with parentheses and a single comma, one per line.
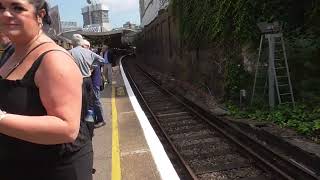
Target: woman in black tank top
(43,135)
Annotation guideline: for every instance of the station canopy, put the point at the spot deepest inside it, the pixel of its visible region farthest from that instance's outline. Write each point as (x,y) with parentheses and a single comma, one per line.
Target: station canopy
(111,38)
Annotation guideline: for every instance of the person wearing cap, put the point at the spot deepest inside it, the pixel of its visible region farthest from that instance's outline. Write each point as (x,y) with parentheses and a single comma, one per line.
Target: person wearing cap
(86,61)
(96,78)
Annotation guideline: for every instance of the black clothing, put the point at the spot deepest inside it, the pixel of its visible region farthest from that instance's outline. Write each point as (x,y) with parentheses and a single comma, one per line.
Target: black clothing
(110,57)
(89,96)
(25,160)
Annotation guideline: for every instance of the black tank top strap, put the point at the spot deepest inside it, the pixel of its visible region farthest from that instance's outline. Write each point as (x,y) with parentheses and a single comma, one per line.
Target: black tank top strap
(22,59)
(84,135)
(28,78)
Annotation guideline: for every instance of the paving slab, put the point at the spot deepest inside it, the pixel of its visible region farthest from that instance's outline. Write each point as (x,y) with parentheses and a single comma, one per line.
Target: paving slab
(136,161)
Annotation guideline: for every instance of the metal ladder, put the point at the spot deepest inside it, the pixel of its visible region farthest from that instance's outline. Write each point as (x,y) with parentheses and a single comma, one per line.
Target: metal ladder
(281,72)
(260,79)
(278,75)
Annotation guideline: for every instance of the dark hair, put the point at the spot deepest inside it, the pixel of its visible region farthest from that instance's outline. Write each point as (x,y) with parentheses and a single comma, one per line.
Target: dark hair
(99,50)
(39,5)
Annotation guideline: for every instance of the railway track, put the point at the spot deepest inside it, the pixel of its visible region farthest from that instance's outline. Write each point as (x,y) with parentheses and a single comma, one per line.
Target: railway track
(203,148)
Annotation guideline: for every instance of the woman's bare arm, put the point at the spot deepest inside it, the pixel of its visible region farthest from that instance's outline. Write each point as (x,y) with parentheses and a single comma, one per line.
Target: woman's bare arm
(60,85)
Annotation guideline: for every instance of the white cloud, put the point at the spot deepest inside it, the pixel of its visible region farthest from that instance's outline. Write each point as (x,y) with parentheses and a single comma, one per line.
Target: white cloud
(121,5)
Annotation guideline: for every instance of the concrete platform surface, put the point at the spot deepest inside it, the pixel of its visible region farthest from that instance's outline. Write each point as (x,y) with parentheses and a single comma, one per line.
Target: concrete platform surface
(136,161)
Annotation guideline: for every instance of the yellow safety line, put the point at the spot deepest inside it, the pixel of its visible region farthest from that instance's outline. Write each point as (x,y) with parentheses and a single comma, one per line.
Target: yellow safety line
(116,170)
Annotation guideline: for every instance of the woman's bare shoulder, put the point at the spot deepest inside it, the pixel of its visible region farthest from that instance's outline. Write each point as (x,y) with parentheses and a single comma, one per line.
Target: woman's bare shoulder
(57,48)
(58,62)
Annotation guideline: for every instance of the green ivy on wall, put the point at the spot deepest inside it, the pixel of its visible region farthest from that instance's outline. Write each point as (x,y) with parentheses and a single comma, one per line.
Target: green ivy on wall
(218,20)
(234,22)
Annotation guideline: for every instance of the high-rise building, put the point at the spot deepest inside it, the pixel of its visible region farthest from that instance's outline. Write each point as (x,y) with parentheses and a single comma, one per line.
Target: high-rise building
(96,18)
(69,26)
(129,25)
(55,27)
(149,10)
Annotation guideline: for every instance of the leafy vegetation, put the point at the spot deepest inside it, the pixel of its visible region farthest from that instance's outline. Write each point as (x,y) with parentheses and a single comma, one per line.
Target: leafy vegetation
(234,22)
(301,118)
(220,20)
(237,79)
(226,22)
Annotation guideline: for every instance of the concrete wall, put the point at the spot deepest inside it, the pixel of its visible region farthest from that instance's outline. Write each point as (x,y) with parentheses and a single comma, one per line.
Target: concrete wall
(160,46)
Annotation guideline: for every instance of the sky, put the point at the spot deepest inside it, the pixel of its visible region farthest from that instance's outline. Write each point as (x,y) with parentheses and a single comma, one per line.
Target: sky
(120,11)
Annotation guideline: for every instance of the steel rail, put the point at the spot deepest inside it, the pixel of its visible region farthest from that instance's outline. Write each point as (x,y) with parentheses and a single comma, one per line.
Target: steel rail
(296,170)
(188,168)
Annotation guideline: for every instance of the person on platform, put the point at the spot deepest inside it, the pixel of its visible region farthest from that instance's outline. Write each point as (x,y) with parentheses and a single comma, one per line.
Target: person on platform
(108,60)
(96,78)
(86,60)
(4,41)
(42,132)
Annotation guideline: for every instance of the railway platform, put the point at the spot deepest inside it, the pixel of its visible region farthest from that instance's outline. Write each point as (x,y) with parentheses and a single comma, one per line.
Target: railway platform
(124,148)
